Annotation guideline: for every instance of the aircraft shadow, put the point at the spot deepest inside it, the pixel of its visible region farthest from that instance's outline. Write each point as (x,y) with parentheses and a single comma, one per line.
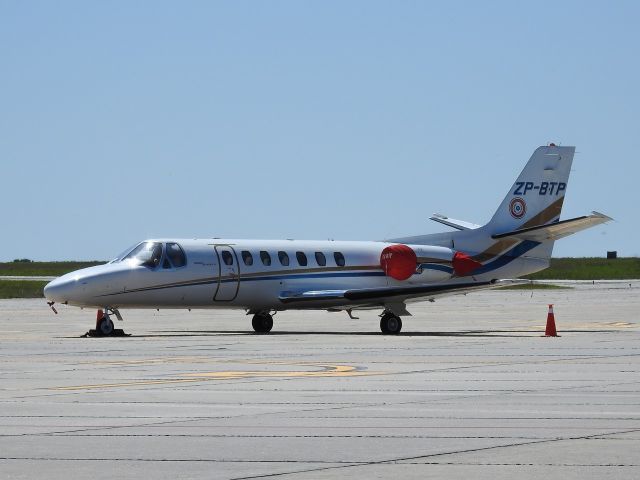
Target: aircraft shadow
(463,333)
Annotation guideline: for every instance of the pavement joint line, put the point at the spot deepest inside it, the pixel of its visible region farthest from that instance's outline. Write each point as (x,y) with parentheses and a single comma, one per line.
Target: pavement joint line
(193,419)
(181,460)
(402,459)
(519,464)
(199,379)
(489,364)
(74,433)
(215,417)
(516,464)
(432,400)
(456,397)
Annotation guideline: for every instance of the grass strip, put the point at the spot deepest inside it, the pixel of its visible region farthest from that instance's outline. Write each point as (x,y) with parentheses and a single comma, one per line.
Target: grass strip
(44,269)
(21,289)
(590,269)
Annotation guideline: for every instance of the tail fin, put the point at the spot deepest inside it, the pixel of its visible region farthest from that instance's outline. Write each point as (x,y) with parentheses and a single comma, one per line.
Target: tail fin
(537,195)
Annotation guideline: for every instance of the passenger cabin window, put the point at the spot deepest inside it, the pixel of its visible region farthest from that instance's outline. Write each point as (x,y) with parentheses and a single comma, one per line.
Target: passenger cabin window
(302,259)
(247,258)
(147,254)
(265,257)
(227,258)
(176,255)
(339,257)
(284,258)
(321,259)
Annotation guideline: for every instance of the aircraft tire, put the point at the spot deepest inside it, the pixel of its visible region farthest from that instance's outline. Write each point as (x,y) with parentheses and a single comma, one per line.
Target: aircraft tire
(262,322)
(106,327)
(390,324)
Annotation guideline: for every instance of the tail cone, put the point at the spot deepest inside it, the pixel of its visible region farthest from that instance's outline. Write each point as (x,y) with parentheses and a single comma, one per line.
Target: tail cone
(550,331)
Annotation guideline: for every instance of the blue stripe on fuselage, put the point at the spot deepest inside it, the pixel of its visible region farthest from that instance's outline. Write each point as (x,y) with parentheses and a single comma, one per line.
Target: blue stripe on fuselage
(507,258)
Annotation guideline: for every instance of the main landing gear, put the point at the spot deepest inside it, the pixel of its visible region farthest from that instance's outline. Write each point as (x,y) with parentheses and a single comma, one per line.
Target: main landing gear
(390,323)
(262,322)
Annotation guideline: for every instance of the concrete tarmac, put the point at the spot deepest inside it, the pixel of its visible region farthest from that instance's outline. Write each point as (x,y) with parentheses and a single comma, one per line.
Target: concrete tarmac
(470,388)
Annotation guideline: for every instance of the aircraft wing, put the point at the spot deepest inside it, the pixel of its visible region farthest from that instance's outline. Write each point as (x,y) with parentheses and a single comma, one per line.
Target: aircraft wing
(288,297)
(452,222)
(557,230)
(396,293)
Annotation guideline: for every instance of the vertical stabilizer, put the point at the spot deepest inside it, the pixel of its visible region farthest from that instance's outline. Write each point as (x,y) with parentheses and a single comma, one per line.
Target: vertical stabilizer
(537,195)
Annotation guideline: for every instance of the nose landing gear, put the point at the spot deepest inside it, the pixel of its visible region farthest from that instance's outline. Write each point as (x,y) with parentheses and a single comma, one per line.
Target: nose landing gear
(104,324)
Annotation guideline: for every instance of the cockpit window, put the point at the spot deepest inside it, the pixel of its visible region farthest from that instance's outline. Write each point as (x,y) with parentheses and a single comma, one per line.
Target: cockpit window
(121,256)
(176,255)
(147,254)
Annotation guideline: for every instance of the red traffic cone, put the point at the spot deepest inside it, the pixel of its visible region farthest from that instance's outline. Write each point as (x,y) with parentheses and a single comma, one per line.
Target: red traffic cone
(550,331)
(99,316)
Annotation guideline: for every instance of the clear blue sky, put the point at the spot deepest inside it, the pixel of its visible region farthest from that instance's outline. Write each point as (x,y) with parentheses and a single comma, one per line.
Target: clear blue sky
(125,120)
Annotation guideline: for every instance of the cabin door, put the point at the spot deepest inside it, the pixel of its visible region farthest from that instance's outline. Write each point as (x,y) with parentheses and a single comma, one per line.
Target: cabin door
(228,274)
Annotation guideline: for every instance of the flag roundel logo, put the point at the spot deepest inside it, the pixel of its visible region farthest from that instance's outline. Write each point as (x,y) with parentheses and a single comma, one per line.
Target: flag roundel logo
(517,208)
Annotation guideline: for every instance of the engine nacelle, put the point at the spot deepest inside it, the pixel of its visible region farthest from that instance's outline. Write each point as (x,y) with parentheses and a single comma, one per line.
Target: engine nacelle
(399,261)
(433,263)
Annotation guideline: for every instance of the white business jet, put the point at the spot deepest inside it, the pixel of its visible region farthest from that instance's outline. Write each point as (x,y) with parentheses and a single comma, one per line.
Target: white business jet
(263,277)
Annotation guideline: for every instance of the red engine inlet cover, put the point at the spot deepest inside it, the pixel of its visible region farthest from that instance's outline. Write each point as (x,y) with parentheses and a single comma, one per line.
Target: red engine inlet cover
(463,264)
(398,261)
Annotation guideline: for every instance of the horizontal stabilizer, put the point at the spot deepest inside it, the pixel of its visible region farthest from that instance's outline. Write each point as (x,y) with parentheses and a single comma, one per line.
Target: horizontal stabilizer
(555,231)
(452,222)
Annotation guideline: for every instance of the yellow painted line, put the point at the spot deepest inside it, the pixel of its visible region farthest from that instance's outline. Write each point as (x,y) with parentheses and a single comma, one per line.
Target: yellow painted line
(151,361)
(325,371)
(331,371)
(125,384)
(193,359)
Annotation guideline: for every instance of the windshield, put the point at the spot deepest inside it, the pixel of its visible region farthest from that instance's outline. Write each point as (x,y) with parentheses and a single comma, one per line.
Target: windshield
(147,254)
(122,254)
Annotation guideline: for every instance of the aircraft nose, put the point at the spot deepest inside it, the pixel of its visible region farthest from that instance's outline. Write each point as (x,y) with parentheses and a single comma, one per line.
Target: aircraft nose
(59,289)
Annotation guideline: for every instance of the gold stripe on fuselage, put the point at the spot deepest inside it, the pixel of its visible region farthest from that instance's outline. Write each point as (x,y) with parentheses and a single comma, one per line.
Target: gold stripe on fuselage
(545,216)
